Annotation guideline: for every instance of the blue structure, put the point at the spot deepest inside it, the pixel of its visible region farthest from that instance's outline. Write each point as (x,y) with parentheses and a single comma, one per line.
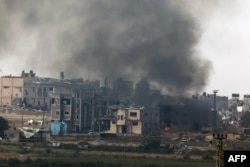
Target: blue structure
(58,128)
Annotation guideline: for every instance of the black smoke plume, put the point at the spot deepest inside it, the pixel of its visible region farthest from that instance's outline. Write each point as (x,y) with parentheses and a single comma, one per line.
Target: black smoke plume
(132,39)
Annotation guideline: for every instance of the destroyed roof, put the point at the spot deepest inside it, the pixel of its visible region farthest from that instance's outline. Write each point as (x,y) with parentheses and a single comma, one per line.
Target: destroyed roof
(29,132)
(62,82)
(45,80)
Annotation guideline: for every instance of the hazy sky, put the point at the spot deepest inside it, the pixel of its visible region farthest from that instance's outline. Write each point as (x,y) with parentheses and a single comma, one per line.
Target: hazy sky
(224,41)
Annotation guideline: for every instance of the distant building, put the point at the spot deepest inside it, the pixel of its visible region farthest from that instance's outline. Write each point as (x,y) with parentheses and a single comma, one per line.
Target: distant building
(77,108)
(236,96)
(98,111)
(235,104)
(246,103)
(189,116)
(221,101)
(38,91)
(11,90)
(151,120)
(135,121)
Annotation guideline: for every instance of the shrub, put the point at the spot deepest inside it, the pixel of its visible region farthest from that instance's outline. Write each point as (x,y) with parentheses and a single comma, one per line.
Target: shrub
(207,157)
(48,150)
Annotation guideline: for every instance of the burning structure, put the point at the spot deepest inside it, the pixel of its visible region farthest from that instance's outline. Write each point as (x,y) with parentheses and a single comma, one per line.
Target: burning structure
(187,115)
(148,40)
(83,105)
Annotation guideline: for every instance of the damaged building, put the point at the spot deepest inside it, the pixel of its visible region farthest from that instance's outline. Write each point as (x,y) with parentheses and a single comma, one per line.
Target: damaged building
(221,101)
(76,106)
(188,115)
(74,101)
(33,134)
(11,90)
(38,91)
(135,121)
(68,109)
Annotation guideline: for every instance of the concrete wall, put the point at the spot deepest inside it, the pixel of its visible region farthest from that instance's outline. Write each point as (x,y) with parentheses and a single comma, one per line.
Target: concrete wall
(61,107)
(136,127)
(221,101)
(113,126)
(11,88)
(128,122)
(121,117)
(151,120)
(134,114)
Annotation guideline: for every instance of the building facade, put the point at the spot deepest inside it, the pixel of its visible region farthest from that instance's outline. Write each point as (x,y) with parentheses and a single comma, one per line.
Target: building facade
(246,103)
(135,121)
(235,104)
(221,101)
(11,90)
(189,116)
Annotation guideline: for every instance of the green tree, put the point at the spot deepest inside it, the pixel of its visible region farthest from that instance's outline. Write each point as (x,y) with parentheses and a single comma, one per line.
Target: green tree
(4,125)
(152,142)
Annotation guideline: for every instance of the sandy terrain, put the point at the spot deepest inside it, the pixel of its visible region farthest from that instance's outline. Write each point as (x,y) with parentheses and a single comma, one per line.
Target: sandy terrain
(18,117)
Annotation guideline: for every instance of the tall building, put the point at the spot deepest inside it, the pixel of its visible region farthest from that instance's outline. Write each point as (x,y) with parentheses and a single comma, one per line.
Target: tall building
(221,101)
(246,103)
(234,104)
(77,105)
(67,108)
(189,116)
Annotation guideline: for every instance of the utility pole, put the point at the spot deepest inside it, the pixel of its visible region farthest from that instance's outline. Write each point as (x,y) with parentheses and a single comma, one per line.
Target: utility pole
(43,121)
(214,114)
(219,154)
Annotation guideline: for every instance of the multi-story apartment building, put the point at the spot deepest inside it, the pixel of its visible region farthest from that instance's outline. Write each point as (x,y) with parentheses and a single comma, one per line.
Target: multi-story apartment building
(221,101)
(151,120)
(67,108)
(135,121)
(246,103)
(78,106)
(38,91)
(70,100)
(235,104)
(192,116)
(26,89)
(11,90)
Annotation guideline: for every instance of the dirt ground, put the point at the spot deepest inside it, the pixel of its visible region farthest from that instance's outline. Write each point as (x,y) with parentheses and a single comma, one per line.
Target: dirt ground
(18,156)
(99,153)
(17,118)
